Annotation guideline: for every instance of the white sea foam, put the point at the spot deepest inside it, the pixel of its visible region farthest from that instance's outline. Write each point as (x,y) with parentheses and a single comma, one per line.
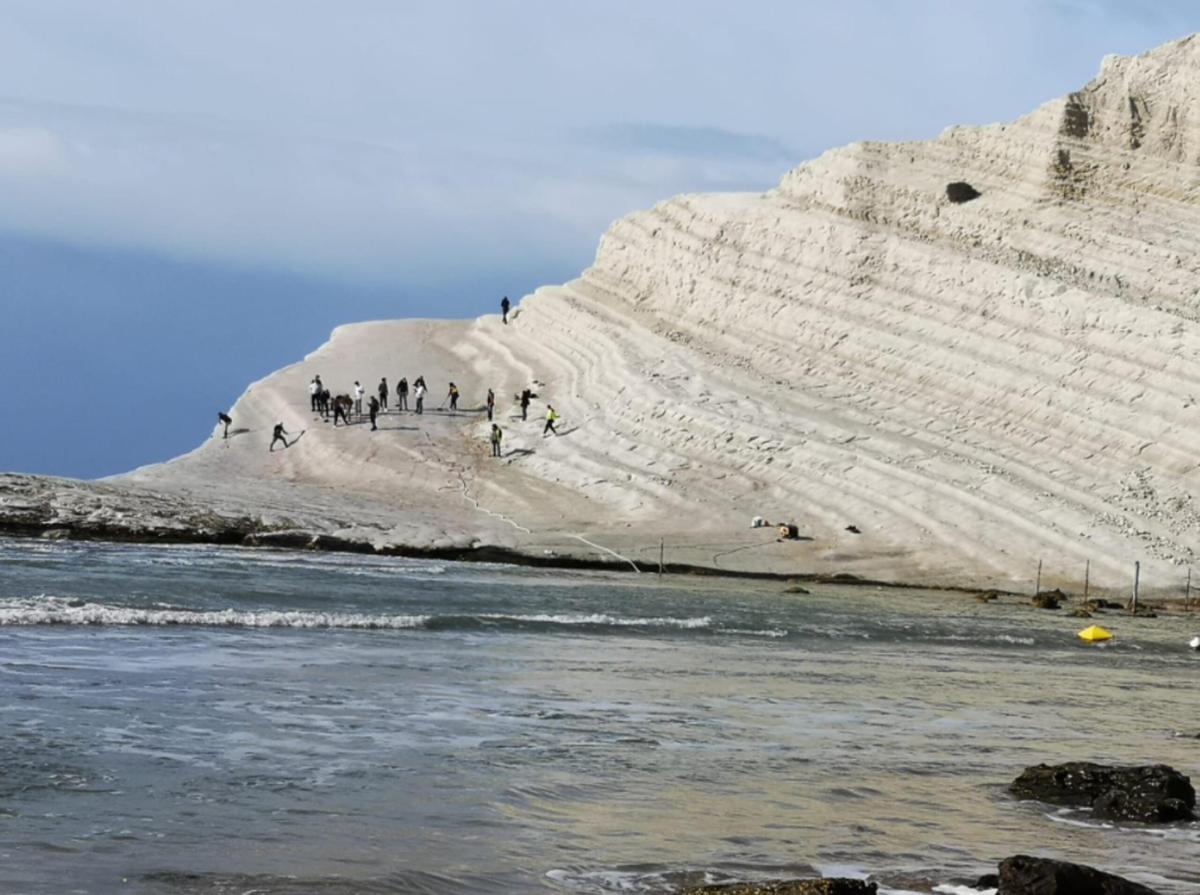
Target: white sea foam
(703,621)
(60,611)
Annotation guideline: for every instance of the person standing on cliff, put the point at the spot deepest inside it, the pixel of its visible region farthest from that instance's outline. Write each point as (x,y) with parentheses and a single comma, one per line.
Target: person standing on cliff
(225,419)
(419,395)
(491,404)
(359,391)
(497,437)
(505,304)
(526,397)
(402,394)
(383,393)
(373,406)
(551,419)
(280,435)
(314,393)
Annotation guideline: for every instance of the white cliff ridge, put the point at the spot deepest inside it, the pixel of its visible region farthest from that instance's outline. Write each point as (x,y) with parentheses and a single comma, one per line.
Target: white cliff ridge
(974,386)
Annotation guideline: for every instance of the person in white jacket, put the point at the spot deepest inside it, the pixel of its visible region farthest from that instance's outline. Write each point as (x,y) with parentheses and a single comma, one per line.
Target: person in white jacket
(359,391)
(419,394)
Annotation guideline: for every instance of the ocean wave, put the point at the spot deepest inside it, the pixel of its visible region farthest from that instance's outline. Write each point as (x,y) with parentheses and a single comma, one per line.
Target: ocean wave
(598,619)
(62,611)
(52,610)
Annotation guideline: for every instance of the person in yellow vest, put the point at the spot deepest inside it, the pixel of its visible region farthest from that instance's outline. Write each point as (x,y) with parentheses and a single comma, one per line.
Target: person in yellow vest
(497,437)
(551,419)
(452,396)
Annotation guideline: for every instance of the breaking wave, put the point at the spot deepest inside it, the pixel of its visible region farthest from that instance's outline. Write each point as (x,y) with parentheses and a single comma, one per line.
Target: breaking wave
(49,610)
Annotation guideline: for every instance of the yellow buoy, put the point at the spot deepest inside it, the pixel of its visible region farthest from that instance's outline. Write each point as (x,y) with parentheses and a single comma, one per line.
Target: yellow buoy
(1093,633)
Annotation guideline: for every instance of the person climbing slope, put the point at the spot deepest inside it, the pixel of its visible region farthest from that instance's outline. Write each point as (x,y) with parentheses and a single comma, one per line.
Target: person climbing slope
(227,420)
(491,404)
(526,397)
(551,419)
(280,435)
(505,304)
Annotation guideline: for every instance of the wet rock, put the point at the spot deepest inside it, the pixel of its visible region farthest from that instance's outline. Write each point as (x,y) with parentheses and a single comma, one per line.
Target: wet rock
(988,596)
(987,881)
(1080,613)
(832,886)
(56,534)
(1048,599)
(1148,793)
(960,191)
(1095,605)
(1025,875)
(793,588)
(292,537)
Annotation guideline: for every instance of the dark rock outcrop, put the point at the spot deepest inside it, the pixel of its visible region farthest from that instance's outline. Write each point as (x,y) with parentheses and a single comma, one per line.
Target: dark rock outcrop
(1149,793)
(1048,599)
(1025,875)
(832,886)
(960,191)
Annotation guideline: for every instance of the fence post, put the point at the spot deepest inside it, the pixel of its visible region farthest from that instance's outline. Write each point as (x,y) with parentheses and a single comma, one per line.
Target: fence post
(1037,588)
(1187,591)
(661,549)
(1137,576)
(1087,574)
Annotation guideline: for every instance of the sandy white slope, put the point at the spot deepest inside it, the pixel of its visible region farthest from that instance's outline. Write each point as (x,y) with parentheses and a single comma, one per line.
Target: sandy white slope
(975,387)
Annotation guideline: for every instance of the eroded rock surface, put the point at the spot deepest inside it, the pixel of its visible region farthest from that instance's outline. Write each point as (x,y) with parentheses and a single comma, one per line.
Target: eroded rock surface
(1149,794)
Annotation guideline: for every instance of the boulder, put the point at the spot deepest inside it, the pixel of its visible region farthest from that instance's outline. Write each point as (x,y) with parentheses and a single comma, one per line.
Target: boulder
(831,886)
(1048,599)
(1147,793)
(960,191)
(1025,875)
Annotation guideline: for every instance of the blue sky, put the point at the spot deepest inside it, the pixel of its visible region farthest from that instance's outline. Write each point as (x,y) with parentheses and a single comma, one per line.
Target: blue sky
(167,169)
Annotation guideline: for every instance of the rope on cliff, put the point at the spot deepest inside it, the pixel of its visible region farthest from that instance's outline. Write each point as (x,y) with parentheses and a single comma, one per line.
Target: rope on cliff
(467,496)
(607,550)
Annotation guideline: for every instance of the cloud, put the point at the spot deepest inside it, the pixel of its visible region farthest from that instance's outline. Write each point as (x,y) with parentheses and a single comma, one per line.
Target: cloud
(27,152)
(688,142)
(423,136)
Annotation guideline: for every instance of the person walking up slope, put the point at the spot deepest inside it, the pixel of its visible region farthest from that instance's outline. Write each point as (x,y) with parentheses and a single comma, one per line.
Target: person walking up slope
(280,435)
(505,304)
(551,419)
(526,397)
(225,419)
(491,404)
(497,437)
(452,396)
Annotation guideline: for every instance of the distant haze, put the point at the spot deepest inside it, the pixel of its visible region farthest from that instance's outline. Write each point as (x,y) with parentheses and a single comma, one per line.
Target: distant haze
(192,194)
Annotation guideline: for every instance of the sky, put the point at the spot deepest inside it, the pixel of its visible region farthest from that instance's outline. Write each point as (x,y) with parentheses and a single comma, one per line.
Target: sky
(194,193)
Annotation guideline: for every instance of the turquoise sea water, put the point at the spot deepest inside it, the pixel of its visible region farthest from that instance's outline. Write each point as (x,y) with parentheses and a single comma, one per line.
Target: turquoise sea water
(208,720)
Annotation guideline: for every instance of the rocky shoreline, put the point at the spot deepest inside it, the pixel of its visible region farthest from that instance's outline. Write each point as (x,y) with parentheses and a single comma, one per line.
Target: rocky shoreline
(47,508)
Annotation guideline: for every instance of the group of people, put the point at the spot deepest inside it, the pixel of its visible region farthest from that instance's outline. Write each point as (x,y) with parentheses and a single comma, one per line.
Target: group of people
(341,407)
(323,402)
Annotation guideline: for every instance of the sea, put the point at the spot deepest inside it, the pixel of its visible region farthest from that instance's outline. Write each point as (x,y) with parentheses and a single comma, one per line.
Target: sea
(191,719)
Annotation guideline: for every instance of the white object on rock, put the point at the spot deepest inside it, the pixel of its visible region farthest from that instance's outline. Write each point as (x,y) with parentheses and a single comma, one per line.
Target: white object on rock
(1194,643)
